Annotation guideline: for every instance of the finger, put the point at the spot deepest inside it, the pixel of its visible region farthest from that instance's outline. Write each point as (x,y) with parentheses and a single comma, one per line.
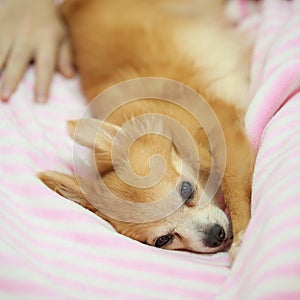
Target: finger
(4,50)
(45,65)
(16,65)
(65,59)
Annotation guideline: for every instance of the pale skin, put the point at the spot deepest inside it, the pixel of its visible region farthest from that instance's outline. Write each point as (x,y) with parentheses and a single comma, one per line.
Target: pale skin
(32,30)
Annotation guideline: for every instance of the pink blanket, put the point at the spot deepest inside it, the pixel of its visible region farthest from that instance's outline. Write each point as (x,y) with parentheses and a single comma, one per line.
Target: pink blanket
(51,248)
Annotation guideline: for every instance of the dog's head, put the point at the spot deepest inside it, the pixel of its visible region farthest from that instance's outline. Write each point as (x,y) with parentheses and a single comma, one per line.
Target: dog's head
(190,226)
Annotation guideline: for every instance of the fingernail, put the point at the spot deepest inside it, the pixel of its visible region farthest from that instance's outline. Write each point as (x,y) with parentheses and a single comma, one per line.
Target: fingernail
(69,72)
(66,69)
(4,100)
(40,98)
(5,94)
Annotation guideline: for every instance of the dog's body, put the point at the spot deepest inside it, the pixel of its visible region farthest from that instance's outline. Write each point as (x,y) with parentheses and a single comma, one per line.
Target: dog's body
(187,41)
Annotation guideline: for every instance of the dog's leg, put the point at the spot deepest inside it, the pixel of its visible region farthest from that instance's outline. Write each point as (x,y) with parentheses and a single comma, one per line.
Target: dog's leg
(237,196)
(237,182)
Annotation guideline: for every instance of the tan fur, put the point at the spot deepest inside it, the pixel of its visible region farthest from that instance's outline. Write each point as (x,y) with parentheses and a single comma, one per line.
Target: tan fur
(185,40)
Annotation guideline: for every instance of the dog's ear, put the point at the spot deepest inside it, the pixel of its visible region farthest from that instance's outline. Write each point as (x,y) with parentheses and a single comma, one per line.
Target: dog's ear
(98,135)
(66,186)
(93,133)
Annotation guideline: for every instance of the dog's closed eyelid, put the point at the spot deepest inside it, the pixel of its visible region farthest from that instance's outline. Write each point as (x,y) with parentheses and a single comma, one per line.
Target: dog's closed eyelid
(178,236)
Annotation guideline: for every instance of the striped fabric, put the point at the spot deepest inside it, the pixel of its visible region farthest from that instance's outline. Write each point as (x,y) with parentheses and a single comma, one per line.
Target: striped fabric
(51,248)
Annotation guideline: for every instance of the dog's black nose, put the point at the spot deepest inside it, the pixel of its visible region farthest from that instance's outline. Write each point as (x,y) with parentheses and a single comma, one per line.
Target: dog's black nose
(215,236)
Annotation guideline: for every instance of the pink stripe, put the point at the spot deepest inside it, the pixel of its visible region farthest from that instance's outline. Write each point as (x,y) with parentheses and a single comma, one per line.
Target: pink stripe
(31,158)
(290,168)
(253,283)
(276,151)
(253,265)
(273,98)
(243,8)
(149,265)
(290,271)
(7,169)
(29,190)
(23,110)
(104,242)
(281,248)
(263,168)
(269,32)
(287,46)
(33,135)
(54,116)
(278,191)
(86,238)
(115,278)
(90,240)
(289,56)
(23,287)
(287,122)
(52,213)
(251,247)
(286,223)
(126,264)
(62,214)
(279,202)
(30,166)
(290,295)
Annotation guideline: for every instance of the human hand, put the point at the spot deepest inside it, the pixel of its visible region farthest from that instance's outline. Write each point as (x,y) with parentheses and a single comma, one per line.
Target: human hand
(32,30)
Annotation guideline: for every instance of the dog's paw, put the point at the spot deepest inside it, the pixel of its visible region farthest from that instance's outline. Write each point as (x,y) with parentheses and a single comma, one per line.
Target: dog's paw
(236,244)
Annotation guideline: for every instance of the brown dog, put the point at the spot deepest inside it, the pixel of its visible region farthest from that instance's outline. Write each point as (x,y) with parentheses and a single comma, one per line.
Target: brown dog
(187,41)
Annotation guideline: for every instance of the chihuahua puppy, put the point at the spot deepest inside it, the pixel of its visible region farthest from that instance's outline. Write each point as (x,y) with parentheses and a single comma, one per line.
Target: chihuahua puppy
(187,41)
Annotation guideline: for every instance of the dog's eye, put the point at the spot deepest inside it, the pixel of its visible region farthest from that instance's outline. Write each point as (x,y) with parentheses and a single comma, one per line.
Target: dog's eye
(163,240)
(186,191)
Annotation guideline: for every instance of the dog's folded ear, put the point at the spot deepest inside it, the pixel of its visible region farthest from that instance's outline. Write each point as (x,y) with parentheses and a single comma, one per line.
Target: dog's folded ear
(66,186)
(98,136)
(93,133)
